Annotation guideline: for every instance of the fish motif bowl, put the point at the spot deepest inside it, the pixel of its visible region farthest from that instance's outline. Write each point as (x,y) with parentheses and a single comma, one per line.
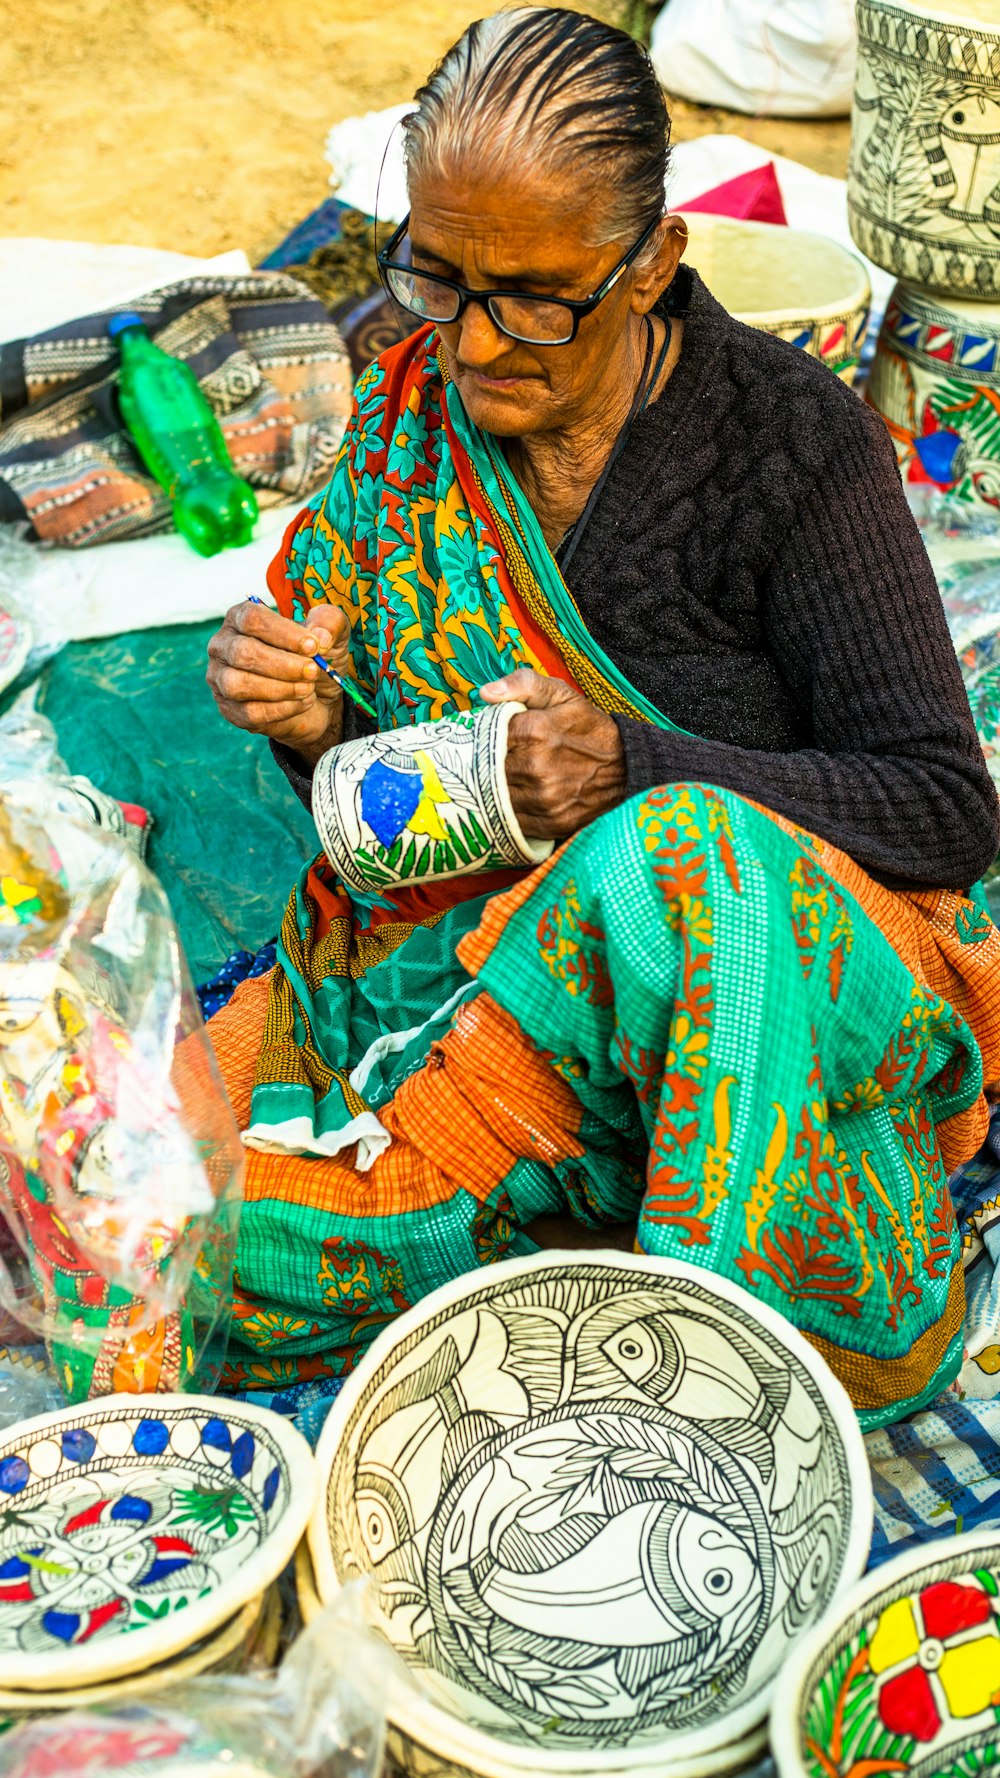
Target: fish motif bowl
(802,287)
(923,181)
(903,1676)
(134,1526)
(935,380)
(427,800)
(600,1497)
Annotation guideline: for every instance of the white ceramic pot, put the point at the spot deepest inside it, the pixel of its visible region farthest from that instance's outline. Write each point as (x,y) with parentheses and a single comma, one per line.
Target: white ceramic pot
(905,1670)
(936,382)
(923,183)
(802,287)
(426,801)
(601,1496)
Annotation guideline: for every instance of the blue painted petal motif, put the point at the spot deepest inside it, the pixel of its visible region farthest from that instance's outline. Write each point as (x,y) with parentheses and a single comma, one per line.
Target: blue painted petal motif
(14,1473)
(133,1509)
(937,452)
(14,1568)
(242,1458)
(78,1445)
(62,1624)
(161,1567)
(151,1438)
(388,799)
(216,1434)
(270,1489)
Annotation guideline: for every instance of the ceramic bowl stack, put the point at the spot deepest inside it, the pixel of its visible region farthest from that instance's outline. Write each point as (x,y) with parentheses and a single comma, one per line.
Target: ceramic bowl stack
(141,1539)
(800,286)
(601,1497)
(924,202)
(904,1675)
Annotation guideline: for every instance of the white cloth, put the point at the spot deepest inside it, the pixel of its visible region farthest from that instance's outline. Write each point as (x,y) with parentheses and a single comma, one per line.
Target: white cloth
(43,283)
(779,58)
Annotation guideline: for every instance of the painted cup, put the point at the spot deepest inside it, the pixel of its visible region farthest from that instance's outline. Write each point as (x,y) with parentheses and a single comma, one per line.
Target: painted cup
(923,183)
(936,382)
(422,802)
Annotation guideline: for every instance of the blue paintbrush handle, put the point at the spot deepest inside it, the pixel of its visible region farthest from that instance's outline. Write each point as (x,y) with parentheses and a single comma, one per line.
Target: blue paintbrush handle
(345,684)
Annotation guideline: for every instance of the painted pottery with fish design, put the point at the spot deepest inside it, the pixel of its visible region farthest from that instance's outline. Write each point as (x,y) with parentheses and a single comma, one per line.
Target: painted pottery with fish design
(133,1526)
(923,181)
(600,1496)
(904,1675)
(426,801)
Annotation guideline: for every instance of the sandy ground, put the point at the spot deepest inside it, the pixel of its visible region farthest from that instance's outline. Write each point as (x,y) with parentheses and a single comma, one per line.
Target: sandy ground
(200,124)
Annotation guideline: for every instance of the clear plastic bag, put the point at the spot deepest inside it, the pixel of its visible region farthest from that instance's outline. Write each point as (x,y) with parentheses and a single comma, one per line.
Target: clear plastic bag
(322,1715)
(32,602)
(120,1161)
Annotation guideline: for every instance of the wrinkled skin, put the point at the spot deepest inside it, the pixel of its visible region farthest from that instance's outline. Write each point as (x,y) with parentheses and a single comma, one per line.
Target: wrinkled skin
(558,410)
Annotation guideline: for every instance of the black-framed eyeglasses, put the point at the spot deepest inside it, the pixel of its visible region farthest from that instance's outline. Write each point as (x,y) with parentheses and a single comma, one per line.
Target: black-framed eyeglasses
(535,320)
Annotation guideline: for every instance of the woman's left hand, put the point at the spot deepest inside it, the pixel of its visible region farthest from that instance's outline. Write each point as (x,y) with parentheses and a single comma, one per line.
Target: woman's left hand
(565,763)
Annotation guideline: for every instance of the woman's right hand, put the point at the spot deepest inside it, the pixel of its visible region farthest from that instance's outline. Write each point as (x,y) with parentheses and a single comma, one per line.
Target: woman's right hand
(263,677)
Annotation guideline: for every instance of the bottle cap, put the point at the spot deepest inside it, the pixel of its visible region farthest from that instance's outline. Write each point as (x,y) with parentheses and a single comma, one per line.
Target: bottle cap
(118,323)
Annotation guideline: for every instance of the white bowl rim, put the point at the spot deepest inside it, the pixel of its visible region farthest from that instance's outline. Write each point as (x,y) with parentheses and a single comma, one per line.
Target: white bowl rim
(728,1756)
(784,1710)
(114,1657)
(427,1722)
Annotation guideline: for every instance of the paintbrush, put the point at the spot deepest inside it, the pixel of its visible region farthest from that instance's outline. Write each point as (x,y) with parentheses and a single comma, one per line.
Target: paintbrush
(345,684)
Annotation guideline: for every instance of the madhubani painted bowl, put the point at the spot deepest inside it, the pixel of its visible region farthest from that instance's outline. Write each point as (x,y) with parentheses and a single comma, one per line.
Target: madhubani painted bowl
(903,1676)
(601,1497)
(803,287)
(923,180)
(935,380)
(133,1526)
(427,800)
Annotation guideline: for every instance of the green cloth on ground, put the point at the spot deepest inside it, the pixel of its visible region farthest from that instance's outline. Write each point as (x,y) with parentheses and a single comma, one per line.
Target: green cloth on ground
(133,712)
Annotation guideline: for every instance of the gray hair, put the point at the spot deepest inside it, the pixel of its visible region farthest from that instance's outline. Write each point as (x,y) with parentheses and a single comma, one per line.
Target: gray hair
(556,90)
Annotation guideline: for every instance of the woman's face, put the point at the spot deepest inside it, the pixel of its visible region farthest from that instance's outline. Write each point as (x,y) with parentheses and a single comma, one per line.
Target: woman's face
(532,235)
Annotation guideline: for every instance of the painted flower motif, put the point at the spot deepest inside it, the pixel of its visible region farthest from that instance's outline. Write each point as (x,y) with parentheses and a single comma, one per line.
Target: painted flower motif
(368,505)
(937,1655)
(406,447)
(368,383)
(310,549)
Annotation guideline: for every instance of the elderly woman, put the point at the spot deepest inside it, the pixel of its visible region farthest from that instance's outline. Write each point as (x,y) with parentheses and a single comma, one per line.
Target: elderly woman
(743,1013)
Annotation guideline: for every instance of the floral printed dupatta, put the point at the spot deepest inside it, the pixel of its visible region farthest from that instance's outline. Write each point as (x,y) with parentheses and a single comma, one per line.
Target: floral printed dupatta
(424,540)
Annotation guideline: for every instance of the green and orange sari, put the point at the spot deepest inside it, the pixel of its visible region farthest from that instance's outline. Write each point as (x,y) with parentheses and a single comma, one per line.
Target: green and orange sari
(695,1018)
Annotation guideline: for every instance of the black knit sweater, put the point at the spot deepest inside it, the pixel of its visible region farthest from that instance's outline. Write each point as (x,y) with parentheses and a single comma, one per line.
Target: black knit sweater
(753,568)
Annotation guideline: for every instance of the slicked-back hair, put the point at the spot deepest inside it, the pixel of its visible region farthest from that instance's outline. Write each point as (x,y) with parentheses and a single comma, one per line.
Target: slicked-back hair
(556,91)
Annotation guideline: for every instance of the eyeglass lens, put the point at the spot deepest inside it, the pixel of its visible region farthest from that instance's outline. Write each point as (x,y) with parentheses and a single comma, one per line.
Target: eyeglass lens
(530,318)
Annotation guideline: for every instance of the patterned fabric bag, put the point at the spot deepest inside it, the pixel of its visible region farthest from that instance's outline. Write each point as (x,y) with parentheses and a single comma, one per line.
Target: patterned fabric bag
(268,358)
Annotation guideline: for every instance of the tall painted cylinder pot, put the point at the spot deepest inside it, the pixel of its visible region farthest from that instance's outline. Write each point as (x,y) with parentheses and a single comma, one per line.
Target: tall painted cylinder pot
(923,184)
(936,382)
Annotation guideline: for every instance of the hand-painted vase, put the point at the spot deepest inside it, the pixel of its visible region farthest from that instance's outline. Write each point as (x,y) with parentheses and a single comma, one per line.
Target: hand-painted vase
(804,288)
(923,184)
(936,382)
(422,802)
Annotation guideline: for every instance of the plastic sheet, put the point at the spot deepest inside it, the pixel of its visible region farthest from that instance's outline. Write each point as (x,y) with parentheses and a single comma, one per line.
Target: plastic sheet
(322,1715)
(31,630)
(120,1161)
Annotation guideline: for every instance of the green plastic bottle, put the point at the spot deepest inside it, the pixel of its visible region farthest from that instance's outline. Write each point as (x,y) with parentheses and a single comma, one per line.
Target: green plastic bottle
(179,439)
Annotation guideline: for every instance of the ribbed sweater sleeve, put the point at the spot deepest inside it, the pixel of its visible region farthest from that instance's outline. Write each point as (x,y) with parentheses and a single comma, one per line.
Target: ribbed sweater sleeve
(854,622)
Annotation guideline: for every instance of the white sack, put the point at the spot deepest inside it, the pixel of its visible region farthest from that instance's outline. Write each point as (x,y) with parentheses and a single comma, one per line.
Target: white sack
(782,58)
